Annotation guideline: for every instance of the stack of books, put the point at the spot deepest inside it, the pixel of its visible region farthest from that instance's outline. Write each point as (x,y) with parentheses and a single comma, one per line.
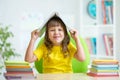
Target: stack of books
(104,67)
(16,70)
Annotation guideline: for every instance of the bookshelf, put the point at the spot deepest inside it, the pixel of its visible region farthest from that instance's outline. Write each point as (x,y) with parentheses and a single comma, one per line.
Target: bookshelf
(102,23)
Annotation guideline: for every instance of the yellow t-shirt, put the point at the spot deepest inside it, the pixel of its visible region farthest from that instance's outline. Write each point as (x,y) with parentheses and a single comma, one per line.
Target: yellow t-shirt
(55,62)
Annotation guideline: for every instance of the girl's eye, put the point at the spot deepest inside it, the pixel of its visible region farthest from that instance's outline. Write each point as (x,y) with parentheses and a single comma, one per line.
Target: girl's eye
(52,30)
(60,29)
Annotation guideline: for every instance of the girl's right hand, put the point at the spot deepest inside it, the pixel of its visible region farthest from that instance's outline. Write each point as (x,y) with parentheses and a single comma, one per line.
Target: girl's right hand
(74,34)
(34,34)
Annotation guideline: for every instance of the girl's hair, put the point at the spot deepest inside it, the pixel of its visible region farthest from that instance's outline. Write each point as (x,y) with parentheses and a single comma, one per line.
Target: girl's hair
(55,21)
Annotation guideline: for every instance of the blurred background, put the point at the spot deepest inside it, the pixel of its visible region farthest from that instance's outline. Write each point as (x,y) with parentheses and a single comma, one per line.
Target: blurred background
(26,15)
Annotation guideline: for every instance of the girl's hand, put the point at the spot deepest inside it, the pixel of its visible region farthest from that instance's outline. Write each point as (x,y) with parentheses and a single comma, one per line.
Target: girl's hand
(74,34)
(34,34)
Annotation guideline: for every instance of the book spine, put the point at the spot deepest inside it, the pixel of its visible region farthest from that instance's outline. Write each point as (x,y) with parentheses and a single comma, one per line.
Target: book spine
(19,69)
(104,12)
(17,66)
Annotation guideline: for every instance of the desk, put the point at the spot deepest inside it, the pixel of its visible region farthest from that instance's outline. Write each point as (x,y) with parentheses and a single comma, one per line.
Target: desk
(76,76)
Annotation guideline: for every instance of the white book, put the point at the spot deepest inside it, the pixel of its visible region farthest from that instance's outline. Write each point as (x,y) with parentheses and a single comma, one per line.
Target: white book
(42,28)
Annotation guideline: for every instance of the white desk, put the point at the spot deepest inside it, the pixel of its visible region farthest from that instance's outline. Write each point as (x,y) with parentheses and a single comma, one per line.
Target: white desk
(76,76)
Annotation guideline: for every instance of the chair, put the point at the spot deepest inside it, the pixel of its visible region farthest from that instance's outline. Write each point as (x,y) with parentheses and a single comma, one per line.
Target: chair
(78,67)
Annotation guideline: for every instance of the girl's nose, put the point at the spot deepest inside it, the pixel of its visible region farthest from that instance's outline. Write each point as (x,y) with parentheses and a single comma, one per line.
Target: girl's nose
(56,31)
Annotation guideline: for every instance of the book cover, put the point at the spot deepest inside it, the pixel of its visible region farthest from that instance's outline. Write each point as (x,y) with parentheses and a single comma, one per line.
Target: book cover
(42,28)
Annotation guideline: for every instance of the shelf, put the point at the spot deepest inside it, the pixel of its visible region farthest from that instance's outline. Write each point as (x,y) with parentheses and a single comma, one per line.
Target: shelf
(96,27)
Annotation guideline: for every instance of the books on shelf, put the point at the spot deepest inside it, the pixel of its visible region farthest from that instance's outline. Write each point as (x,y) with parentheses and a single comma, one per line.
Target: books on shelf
(18,70)
(104,67)
(104,12)
(108,42)
(107,11)
(91,43)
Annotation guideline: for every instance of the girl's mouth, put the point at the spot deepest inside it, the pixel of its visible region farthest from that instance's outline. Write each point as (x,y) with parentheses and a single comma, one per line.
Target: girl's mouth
(56,37)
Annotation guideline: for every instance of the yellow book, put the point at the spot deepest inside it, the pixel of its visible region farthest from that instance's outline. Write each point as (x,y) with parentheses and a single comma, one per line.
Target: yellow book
(18,66)
(105,61)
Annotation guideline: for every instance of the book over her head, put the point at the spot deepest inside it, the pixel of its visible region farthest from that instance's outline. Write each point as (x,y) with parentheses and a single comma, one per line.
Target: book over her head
(42,28)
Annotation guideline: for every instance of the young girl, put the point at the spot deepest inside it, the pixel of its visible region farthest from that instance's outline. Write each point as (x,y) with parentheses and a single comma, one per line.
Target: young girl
(57,51)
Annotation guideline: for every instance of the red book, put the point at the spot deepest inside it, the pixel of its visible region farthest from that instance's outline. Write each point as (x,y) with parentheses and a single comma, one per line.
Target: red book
(108,41)
(102,75)
(104,12)
(89,45)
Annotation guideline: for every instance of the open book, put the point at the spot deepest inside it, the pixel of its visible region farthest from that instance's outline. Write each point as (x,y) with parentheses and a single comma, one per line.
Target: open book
(43,26)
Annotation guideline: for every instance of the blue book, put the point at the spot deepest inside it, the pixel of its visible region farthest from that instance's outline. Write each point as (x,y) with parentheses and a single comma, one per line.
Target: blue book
(93,43)
(111,67)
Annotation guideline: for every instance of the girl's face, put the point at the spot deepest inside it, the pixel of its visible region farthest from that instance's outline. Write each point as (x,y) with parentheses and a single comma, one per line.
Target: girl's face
(56,34)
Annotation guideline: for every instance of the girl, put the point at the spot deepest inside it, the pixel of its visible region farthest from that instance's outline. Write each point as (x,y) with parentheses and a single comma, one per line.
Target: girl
(57,50)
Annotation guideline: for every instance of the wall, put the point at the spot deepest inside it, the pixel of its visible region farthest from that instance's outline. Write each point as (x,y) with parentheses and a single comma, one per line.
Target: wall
(117,18)
(27,15)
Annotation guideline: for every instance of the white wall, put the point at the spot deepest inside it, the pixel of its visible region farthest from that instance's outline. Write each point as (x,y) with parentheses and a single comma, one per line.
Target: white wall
(27,15)
(117,18)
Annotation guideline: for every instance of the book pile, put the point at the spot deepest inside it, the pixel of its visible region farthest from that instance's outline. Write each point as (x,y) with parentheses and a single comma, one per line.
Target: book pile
(101,68)
(17,70)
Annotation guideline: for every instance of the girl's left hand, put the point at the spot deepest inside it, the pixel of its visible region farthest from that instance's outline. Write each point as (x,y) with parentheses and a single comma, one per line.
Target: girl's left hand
(74,34)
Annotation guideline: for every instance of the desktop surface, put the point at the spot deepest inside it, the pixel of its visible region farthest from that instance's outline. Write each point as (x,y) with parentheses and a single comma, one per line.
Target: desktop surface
(75,76)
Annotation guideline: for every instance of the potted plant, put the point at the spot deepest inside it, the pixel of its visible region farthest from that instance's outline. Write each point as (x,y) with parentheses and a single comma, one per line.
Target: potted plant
(6,49)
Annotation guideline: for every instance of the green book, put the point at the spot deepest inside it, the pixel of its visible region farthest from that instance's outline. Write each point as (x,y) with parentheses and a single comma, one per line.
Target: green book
(16,63)
(19,69)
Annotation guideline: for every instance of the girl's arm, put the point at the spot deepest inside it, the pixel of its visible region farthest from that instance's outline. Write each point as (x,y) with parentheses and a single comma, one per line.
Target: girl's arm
(30,57)
(79,55)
